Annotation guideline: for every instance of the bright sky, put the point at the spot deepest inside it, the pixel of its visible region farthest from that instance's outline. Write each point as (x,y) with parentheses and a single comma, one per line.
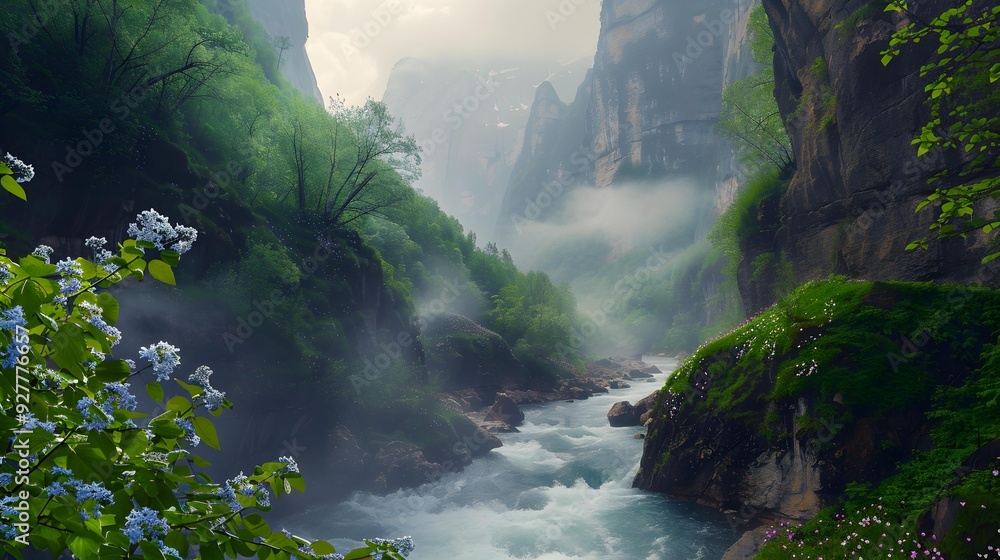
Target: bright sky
(353,44)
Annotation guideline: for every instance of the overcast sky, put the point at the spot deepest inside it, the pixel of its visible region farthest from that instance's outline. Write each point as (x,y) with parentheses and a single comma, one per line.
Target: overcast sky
(353,44)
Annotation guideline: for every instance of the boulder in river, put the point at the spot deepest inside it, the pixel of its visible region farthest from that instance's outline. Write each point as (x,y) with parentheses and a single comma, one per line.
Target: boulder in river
(505,410)
(623,414)
(639,374)
(652,370)
(618,384)
(401,465)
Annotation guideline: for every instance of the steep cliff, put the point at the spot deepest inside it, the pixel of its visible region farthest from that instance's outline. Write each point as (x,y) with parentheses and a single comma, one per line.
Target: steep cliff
(288,19)
(850,207)
(469,118)
(830,387)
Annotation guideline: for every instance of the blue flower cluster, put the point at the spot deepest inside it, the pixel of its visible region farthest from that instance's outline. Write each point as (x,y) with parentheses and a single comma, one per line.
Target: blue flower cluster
(146,524)
(403,544)
(23,173)
(70,277)
(6,478)
(156,229)
(5,273)
(11,319)
(210,397)
(101,255)
(7,530)
(93,314)
(189,432)
(83,491)
(290,464)
(43,252)
(30,423)
(242,485)
(164,358)
(114,396)
(94,421)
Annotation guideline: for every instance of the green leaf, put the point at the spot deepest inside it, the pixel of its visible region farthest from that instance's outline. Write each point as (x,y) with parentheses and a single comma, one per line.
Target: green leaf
(170,257)
(991,258)
(257,525)
(179,404)
(296,480)
(35,267)
(13,187)
(110,308)
(110,371)
(358,554)
(69,349)
(206,431)
(83,547)
(191,389)
(322,548)
(162,272)
(164,426)
(155,391)
(5,170)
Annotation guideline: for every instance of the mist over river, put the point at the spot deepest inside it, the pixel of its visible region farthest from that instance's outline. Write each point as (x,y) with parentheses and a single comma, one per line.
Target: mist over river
(558,489)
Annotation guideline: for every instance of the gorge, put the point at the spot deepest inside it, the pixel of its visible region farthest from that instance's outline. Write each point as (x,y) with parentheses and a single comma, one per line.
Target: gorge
(424,311)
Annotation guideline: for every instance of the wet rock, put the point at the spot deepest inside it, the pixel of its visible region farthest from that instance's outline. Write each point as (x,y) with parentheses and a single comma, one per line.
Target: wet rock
(505,410)
(618,384)
(623,414)
(402,465)
(652,370)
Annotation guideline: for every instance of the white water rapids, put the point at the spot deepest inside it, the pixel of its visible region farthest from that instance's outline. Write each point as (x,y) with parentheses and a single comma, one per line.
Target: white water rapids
(559,489)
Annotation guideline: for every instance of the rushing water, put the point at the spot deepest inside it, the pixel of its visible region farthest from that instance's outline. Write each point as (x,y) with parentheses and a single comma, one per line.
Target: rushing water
(558,489)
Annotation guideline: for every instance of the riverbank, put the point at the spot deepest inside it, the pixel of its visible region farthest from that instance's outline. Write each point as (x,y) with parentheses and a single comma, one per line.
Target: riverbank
(558,489)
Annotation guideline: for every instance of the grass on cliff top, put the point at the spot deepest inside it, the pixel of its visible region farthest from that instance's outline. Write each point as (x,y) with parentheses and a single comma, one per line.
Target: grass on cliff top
(876,348)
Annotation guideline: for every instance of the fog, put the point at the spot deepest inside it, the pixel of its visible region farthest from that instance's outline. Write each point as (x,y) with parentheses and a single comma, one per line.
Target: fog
(353,44)
(570,236)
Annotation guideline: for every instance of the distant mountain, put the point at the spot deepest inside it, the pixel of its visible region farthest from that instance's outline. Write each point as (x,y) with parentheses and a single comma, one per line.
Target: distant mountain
(469,119)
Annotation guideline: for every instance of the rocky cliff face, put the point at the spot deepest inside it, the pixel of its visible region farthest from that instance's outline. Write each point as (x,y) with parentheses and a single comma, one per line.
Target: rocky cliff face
(850,206)
(288,19)
(651,104)
(469,118)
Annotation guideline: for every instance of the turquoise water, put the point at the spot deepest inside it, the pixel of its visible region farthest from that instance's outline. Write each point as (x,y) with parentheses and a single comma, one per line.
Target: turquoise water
(559,489)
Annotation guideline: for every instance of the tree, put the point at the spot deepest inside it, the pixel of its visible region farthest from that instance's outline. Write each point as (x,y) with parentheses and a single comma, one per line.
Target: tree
(382,154)
(282,43)
(750,114)
(85,471)
(965,122)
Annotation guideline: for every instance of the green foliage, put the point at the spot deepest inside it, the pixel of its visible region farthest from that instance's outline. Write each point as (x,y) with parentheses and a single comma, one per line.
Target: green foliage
(741,219)
(535,315)
(834,337)
(86,466)
(963,98)
(750,115)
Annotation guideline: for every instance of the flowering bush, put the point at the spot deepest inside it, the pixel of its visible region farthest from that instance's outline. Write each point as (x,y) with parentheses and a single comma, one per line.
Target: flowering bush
(85,470)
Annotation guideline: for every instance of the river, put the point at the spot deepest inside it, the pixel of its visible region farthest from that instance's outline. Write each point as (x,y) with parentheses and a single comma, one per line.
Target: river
(559,489)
